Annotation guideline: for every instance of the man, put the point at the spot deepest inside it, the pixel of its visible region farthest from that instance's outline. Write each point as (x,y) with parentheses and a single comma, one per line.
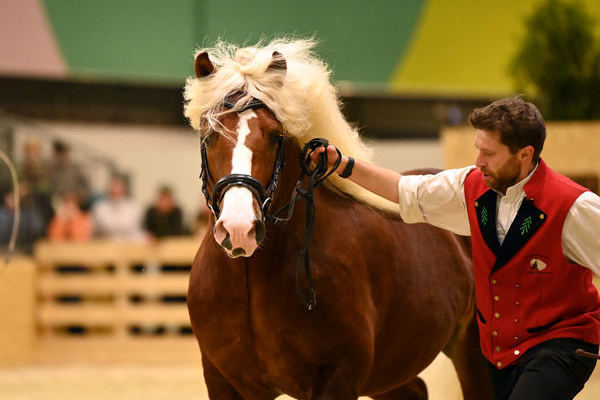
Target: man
(535,245)
(118,217)
(164,217)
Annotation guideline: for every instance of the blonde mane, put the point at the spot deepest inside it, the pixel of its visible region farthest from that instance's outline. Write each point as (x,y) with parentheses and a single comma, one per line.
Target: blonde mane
(303,100)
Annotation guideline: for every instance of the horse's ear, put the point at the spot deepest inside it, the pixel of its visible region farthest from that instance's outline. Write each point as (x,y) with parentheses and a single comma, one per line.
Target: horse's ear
(278,63)
(203,66)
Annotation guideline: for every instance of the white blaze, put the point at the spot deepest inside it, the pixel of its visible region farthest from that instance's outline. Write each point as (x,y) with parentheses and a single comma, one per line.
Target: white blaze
(242,156)
(237,202)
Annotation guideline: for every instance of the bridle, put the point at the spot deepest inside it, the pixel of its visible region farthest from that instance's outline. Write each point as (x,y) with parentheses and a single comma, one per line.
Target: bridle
(264,195)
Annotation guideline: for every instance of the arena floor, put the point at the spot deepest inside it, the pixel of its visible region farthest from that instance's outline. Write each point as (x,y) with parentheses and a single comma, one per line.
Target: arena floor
(167,382)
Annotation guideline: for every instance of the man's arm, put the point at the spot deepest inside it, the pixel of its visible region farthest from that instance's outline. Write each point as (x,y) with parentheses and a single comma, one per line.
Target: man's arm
(581,232)
(381,181)
(438,200)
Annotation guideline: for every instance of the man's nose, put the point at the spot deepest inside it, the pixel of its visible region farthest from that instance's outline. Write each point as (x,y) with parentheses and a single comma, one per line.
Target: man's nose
(479,163)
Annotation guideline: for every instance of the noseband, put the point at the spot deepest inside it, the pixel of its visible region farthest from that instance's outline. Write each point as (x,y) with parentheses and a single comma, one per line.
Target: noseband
(261,194)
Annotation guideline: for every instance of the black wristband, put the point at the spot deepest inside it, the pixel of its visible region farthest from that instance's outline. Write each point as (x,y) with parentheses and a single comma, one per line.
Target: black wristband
(348,170)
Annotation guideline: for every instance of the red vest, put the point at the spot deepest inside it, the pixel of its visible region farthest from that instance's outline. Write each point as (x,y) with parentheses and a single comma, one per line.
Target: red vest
(527,291)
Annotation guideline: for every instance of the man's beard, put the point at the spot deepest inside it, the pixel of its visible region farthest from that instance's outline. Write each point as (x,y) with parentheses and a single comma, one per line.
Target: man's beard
(505,177)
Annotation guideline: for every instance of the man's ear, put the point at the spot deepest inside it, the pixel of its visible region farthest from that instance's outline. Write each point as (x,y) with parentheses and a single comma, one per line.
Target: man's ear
(526,152)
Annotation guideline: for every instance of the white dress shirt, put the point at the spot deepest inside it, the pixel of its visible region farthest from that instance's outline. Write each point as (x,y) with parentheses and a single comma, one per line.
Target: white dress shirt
(440,200)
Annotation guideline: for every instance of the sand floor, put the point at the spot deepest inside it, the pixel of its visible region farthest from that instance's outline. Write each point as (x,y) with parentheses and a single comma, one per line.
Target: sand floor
(166,382)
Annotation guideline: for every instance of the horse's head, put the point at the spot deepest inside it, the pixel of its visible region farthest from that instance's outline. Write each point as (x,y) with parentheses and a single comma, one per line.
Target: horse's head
(241,160)
(240,100)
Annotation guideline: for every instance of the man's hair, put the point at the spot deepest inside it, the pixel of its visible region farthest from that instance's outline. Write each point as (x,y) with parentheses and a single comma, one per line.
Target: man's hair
(519,123)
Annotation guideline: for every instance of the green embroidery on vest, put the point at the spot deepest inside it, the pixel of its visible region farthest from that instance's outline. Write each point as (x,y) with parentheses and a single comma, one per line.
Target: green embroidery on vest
(525,226)
(484,215)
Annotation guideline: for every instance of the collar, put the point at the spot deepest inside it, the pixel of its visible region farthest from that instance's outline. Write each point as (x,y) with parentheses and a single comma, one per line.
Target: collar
(516,191)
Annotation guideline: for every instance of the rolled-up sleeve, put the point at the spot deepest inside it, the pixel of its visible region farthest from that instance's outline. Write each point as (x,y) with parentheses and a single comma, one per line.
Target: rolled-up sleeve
(581,232)
(438,199)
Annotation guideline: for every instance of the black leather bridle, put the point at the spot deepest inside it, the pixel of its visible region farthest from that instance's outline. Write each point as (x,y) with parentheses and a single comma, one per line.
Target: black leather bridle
(264,195)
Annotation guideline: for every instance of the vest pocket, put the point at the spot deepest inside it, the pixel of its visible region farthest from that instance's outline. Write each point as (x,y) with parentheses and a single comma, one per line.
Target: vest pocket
(480,316)
(541,328)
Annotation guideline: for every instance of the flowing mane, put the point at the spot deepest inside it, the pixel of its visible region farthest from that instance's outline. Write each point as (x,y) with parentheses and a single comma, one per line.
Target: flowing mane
(303,100)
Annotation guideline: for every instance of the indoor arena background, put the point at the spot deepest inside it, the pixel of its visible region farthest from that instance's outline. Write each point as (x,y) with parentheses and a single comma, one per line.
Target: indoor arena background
(101,81)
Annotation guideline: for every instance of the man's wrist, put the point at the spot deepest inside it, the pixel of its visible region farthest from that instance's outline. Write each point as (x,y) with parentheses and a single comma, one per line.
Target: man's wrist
(346,167)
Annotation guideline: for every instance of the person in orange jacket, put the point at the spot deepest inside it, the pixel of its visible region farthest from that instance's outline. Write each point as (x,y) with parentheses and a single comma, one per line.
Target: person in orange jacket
(70,223)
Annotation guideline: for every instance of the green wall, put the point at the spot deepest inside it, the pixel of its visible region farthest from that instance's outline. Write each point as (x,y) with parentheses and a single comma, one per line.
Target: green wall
(417,46)
(363,41)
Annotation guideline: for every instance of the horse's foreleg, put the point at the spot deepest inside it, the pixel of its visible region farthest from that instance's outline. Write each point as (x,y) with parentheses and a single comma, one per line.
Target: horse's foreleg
(339,384)
(218,386)
(472,371)
(413,390)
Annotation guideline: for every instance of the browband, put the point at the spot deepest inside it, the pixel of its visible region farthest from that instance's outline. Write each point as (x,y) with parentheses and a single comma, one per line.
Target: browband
(253,104)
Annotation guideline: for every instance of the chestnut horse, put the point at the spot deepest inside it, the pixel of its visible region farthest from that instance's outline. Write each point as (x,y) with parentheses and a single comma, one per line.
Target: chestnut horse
(389,296)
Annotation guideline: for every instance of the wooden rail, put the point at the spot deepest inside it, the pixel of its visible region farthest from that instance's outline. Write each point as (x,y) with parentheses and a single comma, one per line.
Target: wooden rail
(117,289)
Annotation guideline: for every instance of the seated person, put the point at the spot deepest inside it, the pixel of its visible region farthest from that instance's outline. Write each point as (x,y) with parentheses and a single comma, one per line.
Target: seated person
(164,217)
(70,223)
(117,216)
(31,221)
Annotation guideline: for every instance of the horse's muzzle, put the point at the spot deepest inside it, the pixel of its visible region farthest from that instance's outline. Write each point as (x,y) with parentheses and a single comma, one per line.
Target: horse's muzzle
(240,228)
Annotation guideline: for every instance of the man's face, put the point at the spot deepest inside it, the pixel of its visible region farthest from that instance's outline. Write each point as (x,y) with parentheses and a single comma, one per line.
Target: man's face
(499,166)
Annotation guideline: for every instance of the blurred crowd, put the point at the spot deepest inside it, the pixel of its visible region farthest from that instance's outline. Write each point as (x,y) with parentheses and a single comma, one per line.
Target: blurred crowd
(57,204)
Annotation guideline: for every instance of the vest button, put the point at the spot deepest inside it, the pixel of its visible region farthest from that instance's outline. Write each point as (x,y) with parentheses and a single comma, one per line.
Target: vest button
(517,286)
(516,320)
(496,298)
(497,348)
(493,281)
(499,364)
(517,303)
(516,338)
(495,333)
(516,352)
(497,315)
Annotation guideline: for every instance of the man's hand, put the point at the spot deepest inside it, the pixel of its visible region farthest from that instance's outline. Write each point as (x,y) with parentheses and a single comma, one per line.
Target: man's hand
(332,157)
(381,181)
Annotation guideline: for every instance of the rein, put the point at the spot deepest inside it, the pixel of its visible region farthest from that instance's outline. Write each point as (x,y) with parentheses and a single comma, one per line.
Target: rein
(315,176)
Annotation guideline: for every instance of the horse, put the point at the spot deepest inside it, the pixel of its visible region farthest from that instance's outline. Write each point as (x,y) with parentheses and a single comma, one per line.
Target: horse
(388,296)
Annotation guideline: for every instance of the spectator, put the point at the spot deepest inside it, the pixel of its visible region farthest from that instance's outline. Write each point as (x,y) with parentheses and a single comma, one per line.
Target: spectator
(117,216)
(164,218)
(70,223)
(34,171)
(66,175)
(31,223)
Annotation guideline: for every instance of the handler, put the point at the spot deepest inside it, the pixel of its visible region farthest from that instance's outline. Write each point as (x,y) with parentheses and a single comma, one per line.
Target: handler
(535,237)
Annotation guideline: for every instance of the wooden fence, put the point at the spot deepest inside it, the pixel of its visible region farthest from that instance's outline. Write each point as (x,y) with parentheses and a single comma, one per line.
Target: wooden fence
(110,301)
(108,288)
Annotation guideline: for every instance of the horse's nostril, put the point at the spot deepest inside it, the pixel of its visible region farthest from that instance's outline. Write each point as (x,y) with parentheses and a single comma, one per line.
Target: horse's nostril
(238,251)
(259,229)
(226,243)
